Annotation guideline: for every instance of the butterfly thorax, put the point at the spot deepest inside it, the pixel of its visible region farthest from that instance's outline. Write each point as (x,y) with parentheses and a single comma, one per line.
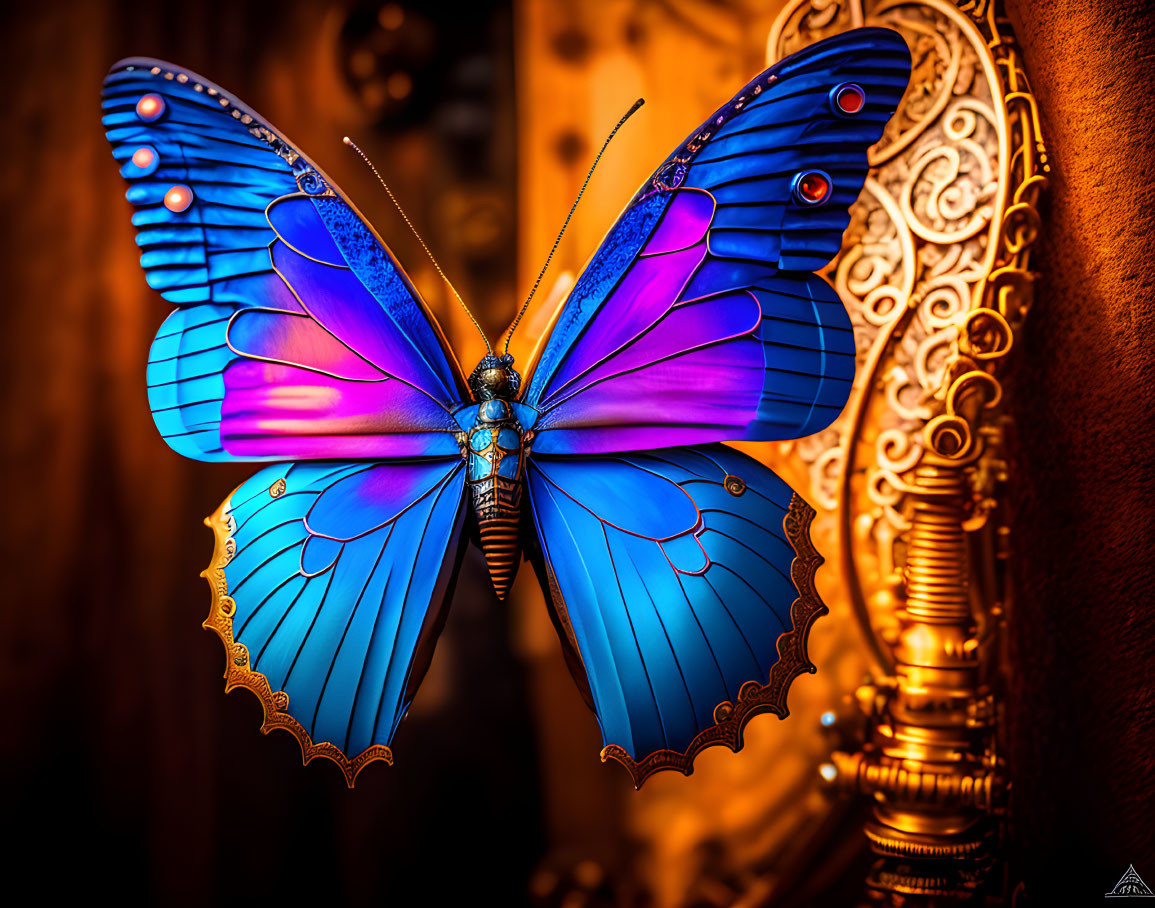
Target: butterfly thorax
(495,448)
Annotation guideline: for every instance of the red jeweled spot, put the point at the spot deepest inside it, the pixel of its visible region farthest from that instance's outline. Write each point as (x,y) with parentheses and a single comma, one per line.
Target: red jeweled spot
(150,107)
(178,198)
(813,187)
(142,157)
(851,99)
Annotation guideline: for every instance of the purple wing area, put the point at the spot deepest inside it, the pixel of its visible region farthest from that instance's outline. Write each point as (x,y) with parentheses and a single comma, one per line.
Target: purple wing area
(697,320)
(273,411)
(340,379)
(297,334)
(662,370)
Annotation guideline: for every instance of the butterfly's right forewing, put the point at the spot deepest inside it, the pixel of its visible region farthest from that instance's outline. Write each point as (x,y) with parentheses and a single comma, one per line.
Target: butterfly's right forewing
(698,319)
(296,335)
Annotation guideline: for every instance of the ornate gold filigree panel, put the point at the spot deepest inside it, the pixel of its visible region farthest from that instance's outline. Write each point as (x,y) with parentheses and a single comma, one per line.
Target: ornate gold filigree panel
(934,270)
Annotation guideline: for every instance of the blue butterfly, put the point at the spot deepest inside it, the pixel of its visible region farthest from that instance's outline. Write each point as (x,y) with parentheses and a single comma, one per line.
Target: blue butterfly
(678,570)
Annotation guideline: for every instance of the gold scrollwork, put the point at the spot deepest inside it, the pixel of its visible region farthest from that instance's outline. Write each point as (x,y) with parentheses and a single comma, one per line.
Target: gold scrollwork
(934,271)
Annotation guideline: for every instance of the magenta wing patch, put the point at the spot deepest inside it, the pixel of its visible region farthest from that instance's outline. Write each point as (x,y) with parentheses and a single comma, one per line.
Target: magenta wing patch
(652,369)
(339,378)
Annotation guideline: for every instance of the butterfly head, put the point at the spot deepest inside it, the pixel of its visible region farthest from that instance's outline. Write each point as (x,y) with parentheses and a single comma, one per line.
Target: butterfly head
(495,378)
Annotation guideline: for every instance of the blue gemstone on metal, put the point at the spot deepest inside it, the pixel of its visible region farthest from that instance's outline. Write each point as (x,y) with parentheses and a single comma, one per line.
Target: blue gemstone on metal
(494,410)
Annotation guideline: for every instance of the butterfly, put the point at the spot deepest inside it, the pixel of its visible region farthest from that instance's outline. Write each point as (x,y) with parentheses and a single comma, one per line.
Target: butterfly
(678,571)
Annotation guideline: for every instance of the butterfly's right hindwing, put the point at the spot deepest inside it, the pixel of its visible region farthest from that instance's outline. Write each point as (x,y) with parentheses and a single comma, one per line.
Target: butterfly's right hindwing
(671,576)
(330,589)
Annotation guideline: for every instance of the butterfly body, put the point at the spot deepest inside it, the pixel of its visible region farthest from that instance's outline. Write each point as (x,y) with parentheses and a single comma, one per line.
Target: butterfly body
(495,446)
(678,570)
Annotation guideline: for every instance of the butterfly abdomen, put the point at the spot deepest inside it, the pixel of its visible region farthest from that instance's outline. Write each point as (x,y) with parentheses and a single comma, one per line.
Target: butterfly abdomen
(502,547)
(495,453)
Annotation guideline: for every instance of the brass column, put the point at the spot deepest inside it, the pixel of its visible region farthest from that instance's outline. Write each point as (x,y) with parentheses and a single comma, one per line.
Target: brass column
(930,764)
(910,480)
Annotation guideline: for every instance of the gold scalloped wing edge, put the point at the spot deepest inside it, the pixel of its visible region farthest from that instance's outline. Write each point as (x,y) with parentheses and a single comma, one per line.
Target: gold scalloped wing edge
(239,674)
(753,698)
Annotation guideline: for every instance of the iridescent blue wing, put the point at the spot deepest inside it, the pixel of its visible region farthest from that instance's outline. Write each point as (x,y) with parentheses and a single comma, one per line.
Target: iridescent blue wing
(331,581)
(698,319)
(682,585)
(297,335)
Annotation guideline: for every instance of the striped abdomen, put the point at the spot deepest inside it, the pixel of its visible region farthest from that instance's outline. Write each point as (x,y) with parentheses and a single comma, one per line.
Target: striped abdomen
(502,547)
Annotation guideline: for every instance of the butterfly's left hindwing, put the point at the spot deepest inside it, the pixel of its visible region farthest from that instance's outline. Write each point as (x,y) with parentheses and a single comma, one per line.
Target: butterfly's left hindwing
(330,588)
(672,576)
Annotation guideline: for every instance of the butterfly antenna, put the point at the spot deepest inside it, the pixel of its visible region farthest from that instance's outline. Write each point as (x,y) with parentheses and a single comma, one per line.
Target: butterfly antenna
(409,223)
(629,113)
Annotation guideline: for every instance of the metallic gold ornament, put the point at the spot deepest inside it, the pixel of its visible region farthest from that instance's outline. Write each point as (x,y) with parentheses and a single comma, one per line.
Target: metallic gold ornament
(934,270)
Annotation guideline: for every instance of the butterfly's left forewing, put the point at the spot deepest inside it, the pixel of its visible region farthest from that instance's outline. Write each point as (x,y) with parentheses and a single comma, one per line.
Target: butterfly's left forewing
(296,333)
(296,337)
(698,319)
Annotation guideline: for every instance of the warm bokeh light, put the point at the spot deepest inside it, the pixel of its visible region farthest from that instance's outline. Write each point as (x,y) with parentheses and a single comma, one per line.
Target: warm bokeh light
(391,16)
(399,84)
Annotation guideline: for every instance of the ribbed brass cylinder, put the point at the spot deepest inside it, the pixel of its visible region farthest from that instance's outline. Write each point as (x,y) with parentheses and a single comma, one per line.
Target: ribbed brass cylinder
(936,560)
(932,789)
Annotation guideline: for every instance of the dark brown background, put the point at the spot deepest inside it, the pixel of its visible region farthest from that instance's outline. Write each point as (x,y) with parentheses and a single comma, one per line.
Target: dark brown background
(126,772)
(1083,701)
